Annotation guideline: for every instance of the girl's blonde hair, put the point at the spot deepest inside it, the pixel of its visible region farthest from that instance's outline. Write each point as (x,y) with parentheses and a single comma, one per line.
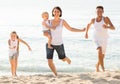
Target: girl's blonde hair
(44,13)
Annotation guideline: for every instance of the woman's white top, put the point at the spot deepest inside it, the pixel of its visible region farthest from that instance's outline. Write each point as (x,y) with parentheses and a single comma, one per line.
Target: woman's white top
(57,34)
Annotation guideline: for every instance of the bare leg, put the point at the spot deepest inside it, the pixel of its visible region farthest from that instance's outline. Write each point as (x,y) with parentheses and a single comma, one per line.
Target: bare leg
(103,68)
(97,67)
(101,57)
(67,60)
(12,62)
(14,68)
(49,39)
(52,66)
(16,63)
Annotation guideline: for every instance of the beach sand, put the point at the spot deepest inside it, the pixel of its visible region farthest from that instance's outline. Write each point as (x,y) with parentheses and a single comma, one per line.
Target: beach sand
(108,77)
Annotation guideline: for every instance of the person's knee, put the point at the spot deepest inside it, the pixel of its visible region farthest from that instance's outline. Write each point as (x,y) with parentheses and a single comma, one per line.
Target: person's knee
(50,62)
(64,59)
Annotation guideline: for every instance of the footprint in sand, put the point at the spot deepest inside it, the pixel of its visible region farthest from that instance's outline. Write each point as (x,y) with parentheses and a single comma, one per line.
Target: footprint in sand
(117,77)
(114,82)
(52,80)
(66,81)
(4,82)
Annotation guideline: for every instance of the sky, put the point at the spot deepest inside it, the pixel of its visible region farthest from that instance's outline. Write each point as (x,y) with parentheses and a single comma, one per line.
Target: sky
(28,12)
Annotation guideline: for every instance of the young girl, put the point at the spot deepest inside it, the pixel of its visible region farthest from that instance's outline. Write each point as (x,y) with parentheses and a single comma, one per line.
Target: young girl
(13,43)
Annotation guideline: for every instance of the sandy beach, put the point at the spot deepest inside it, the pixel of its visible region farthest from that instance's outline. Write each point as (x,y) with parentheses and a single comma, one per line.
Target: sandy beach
(108,77)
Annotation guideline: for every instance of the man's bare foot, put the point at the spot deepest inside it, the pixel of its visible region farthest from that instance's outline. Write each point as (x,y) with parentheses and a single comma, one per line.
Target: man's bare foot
(97,68)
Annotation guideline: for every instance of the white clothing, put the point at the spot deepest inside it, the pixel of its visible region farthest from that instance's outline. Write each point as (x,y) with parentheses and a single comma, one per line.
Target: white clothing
(101,43)
(44,28)
(13,47)
(100,35)
(57,34)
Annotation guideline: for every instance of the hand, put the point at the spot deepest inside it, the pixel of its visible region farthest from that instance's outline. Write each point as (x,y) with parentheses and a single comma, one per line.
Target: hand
(43,23)
(105,26)
(84,29)
(29,48)
(14,47)
(86,36)
(53,28)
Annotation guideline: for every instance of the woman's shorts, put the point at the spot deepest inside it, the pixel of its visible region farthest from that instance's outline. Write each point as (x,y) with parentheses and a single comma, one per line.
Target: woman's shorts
(59,49)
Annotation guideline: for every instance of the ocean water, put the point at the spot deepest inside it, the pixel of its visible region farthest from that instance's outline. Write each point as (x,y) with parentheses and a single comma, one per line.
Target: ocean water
(25,19)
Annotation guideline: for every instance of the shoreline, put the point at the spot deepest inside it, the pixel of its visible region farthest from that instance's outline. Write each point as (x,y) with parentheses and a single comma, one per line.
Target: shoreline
(107,77)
